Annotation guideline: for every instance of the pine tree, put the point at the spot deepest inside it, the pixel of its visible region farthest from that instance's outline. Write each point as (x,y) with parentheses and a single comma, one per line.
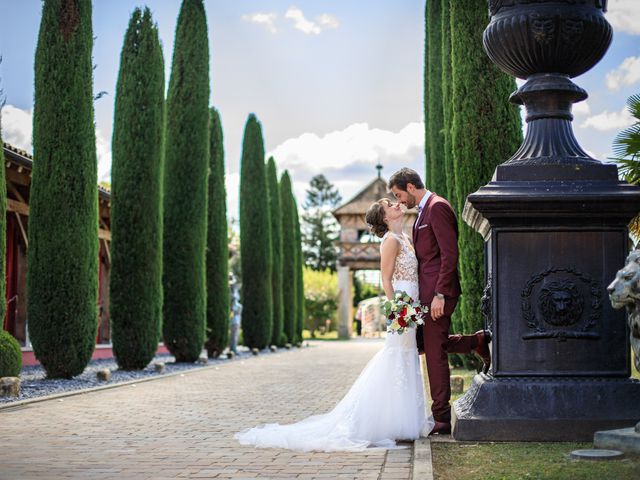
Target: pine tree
(276,249)
(62,278)
(255,240)
(289,304)
(218,291)
(320,227)
(486,131)
(434,121)
(135,287)
(185,186)
(300,264)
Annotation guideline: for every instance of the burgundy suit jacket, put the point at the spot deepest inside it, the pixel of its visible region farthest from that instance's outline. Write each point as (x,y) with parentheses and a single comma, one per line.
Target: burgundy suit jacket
(435,239)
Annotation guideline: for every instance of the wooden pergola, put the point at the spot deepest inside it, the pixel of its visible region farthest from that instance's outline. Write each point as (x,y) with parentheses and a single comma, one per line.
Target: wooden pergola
(359,249)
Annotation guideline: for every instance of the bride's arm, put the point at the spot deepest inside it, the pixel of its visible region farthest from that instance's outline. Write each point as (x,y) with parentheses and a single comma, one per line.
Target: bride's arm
(388,254)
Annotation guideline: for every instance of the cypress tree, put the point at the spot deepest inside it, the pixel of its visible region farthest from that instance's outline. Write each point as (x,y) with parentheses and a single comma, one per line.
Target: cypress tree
(135,287)
(185,187)
(447,112)
(62,278)
(218,294)
(486,131)
(425,102)
(299,272)
(288,259)
(255,240)
(434,121)
(276,255)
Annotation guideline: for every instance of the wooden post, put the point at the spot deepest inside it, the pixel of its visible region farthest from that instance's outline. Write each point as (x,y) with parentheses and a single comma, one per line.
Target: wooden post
(345,287)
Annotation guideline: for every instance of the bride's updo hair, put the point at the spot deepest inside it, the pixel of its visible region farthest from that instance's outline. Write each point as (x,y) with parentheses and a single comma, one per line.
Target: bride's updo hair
(375,217)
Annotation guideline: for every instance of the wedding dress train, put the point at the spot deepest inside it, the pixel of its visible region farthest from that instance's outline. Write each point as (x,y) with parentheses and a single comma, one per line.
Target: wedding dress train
(386,403)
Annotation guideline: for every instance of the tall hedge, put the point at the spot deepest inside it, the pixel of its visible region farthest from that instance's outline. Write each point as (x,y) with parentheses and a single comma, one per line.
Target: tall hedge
(62,278)
(185,186)
(434,119)
(255,240)
(218,294)
(486,131)
(135,287)
(276,252)
(300,313)
(289,284)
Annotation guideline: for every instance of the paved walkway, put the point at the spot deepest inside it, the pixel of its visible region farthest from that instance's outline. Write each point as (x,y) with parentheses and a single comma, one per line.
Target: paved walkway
(182,426)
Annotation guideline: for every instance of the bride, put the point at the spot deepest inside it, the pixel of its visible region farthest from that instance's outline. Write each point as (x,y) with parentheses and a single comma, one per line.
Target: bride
(386,403)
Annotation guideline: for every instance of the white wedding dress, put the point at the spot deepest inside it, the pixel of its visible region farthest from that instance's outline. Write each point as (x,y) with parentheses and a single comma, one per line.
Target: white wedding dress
(386,403)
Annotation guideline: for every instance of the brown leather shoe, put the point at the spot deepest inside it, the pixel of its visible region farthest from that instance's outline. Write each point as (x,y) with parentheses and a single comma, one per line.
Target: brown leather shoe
(441,428)
(482,349)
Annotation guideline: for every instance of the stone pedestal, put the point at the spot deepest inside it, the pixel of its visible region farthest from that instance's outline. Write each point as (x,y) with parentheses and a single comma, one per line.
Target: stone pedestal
(345,313)
(555,222)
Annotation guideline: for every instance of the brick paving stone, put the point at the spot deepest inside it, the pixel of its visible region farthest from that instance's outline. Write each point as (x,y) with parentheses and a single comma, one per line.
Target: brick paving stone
(182,426)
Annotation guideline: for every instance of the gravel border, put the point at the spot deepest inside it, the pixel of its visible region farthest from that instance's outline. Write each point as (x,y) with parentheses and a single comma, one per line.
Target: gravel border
(34,385)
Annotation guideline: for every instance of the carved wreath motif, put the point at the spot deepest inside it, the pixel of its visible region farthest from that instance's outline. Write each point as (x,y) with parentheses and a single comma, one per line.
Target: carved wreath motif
(496,5)
(561,305)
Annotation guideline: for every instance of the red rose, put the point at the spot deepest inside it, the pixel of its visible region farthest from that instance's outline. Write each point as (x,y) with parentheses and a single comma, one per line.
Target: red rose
(402,322)
(413,317)
(392,316)
(418,310)
(404,311)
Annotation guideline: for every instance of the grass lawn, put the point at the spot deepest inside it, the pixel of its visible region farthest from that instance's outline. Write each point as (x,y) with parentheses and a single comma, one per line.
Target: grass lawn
(512,461)
(527,460)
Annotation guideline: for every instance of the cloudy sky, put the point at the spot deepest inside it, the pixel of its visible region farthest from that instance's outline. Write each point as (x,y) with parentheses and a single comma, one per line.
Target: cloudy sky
(337,84)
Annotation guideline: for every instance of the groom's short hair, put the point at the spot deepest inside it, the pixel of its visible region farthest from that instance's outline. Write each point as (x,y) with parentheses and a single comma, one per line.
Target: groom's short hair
(404,176)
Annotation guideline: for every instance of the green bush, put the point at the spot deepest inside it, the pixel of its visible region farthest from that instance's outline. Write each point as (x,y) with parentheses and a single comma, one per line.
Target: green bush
(10,355)
(321,298)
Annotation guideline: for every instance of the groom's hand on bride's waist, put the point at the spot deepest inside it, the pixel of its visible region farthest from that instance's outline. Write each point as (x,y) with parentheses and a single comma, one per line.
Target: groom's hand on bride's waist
(437,307)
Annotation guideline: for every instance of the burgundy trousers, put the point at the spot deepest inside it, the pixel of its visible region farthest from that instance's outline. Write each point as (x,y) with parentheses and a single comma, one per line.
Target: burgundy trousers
(437,344)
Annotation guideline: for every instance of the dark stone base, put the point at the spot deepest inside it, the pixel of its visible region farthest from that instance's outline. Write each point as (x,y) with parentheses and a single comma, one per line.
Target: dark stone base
(544,408)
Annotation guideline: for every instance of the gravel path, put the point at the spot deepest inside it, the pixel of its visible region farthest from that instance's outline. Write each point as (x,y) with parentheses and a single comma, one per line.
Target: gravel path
(33,381)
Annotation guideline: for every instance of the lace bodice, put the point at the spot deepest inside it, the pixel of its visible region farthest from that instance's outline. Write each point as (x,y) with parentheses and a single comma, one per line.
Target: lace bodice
(406,268)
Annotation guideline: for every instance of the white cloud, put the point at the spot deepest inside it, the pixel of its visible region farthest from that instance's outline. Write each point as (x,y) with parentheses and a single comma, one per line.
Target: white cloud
(581,108)
(17,127)
(626,74)
(348,157)
(609,120)
(308,27)
(17,130)
(623,16)
(268,20)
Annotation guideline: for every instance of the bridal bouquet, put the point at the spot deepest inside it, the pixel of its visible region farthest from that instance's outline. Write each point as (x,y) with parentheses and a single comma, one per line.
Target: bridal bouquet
(403,312)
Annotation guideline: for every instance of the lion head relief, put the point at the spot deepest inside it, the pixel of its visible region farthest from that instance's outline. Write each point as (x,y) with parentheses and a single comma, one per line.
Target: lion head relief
(560,303)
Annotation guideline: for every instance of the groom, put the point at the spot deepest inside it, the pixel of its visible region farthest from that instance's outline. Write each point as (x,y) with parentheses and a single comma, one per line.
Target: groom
(435,239)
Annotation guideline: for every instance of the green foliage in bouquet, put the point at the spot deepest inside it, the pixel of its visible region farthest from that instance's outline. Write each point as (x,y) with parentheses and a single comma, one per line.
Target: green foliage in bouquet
(135,287)
(62,278)
(218,291)
(255,240)
(185,187)
(10,355)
